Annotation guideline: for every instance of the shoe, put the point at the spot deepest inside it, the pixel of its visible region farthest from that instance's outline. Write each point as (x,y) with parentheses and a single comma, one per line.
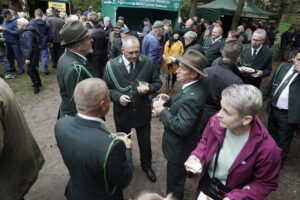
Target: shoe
(45,73)
(150,174)
(9,76)
(36,90)
(39,84)
(22,72)
(12,70)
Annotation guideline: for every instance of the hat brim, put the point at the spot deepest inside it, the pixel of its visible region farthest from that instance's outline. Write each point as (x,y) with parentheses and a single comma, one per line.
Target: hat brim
(190,65)
(79,38)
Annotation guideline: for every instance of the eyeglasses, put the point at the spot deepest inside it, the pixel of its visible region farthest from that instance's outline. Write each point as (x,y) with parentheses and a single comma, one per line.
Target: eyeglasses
(133,52)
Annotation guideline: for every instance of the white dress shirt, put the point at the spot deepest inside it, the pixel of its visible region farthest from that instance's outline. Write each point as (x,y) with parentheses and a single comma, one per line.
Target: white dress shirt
(283,100)
(188,84)
(216,39)
(127,63)
(90,118)
(257,50)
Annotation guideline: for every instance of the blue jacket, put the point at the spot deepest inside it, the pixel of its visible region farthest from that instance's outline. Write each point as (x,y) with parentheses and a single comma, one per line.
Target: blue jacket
(152,49)
(44,31)
(29,46)
(11,35)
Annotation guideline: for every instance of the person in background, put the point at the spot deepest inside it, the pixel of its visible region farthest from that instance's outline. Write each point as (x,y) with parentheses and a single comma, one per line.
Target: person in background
(283,92)
(286,39)
(121,19)
(167,30)
(182,29)
(190,42)
(90,9)
(107,27)
(98,57)
(21,157)
(13,11)
(11,35)
(30,52)
(172,48)
(99,164)
(117,48)
(243,36)
(151,45)
(3,59)
(113,36)
(257,56)
(236,158)
(180,116)
(232,36)
(132,104)
(45,35)
(56,24)
(147,28)
(208,30)
(213,44)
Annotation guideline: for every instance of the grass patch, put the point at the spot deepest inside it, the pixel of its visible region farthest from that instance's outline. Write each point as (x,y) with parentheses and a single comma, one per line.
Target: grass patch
(21,86)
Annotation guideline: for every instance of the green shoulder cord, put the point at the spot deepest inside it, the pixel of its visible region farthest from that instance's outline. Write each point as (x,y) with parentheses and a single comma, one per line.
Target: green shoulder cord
(79,68)
(111,76)
(104,167)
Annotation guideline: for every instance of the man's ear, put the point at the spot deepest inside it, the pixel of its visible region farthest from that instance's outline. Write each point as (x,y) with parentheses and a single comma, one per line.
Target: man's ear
(247,120)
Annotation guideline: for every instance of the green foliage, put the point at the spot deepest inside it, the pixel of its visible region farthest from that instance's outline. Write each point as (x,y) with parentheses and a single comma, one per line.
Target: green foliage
(185,8)
(83,5)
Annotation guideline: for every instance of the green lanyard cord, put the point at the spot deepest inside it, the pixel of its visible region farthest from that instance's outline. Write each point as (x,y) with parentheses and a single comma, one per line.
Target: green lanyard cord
(111,76)
(104,167)
(79,68)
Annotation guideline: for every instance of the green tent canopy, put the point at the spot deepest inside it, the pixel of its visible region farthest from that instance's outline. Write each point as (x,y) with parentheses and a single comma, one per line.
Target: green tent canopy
(135,11)
(216,9)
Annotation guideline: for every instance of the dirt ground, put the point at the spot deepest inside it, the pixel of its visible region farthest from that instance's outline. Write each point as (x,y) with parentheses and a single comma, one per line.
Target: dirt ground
(53,177)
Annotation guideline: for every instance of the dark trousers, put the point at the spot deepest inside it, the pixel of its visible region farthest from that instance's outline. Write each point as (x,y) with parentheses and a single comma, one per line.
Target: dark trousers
(14,51)
(281,130)
(176,176)
(56,51)
(98,63)
(34,75)
(144,142)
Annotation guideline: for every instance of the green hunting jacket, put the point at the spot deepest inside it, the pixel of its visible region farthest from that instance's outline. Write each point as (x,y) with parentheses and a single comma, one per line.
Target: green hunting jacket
(294,92)
(138,112)
(71,69)
(181,122)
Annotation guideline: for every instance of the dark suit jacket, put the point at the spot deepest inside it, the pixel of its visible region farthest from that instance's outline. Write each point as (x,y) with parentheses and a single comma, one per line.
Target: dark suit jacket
(84,145)
(138,112)
(262,61)
(68,75)
(212,50)
(181,122)
(294,92)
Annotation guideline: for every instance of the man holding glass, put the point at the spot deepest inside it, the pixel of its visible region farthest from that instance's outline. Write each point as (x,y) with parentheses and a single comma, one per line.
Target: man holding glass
(181,118)
(132,104)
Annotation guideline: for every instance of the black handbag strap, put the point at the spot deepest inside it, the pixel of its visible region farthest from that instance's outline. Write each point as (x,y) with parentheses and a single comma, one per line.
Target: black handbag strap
(216,159)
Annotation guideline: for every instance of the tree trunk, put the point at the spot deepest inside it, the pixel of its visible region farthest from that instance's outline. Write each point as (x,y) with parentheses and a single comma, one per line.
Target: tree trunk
(237,14)
(193,8)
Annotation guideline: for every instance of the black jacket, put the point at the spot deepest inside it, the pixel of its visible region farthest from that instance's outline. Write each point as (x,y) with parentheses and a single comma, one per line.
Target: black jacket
(219,77)
(56,25)
(195,46)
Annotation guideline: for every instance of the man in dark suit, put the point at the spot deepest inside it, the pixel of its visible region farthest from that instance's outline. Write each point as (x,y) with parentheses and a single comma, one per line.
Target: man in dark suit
(213,44)
(258,57)
(283,92)
(181,119)
(132,104)
(99,164)
(72,65)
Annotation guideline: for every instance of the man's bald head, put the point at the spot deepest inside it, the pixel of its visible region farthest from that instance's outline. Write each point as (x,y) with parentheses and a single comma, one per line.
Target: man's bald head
(88,96)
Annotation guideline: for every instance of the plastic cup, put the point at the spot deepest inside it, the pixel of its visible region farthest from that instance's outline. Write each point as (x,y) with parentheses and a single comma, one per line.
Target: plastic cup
(157,102)
(144,86)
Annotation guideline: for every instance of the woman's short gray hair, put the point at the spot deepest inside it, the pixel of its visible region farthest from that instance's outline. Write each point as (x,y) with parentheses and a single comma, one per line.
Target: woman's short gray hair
(246,99)
(23,21)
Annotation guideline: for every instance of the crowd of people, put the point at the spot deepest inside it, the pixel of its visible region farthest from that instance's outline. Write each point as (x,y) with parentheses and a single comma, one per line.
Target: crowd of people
(211,127)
